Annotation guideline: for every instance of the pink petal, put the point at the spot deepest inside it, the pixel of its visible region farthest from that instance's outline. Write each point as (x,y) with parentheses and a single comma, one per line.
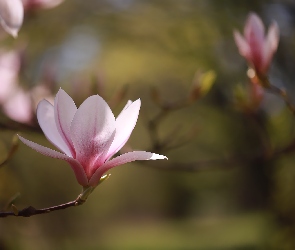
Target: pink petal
(129,102)
(125,124)
(64,111)
(122,159)
(77,168)
(271,43)
(46,119)
(273,36)
(92,132)
(242,45)
(254,34)
(254,28)
(11,15)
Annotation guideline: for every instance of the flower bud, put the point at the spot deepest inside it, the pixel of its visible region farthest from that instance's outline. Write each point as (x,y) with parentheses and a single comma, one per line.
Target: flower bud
(11,16)
(255,46)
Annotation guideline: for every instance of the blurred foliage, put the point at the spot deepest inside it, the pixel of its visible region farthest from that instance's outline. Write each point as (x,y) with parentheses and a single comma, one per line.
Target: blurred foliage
(101,46)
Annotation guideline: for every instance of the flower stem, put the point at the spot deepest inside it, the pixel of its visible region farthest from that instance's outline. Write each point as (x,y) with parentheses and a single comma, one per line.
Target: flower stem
(30,211)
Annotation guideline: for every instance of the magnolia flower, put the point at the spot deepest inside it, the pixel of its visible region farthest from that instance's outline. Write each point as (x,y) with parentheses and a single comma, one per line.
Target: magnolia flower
(11,15)
(257,48)
(88,136)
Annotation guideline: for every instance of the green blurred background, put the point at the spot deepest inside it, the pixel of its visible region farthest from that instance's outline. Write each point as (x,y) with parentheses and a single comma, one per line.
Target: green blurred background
(151,46)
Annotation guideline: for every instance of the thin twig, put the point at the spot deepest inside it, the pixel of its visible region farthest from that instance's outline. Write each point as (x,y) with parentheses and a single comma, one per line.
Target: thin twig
(152,127)
(30,211)
(12,150)
(17,126)
(154,123)
(277,91)
(229,162)
(283,94)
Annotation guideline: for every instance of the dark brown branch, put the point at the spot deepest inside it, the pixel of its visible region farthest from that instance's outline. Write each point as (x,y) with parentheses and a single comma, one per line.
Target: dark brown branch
(30,211)
(277,91)
(283,94)
(153,124)
(6,123)
(265,154)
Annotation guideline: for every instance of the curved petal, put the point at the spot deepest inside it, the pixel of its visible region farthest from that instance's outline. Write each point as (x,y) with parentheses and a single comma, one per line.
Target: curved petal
(129,102)
(254,28)
(77,168)
(122,159)
(242,45)
(11,16)
(271,44)
(125,124)
(46,120)
(92,131)
(272,38)
(254,34)
(64,111)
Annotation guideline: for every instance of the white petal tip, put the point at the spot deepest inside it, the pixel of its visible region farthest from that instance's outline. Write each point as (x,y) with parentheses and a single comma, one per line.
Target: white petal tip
(136,102)
(14,34)
(158,157)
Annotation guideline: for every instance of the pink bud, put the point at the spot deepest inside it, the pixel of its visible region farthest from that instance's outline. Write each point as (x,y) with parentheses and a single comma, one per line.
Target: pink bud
(11,15)
(257,48)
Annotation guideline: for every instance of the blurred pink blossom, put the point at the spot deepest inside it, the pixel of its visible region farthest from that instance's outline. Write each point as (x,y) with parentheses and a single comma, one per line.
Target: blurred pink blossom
(19,106)
(40,4)
(16,103)
(257,48)
(9,69)
(11,15)
(88,136)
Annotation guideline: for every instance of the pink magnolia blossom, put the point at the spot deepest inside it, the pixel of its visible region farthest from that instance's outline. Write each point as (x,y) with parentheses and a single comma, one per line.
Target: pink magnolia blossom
(11,15)
(40,4)
(257,48)
(88,136)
